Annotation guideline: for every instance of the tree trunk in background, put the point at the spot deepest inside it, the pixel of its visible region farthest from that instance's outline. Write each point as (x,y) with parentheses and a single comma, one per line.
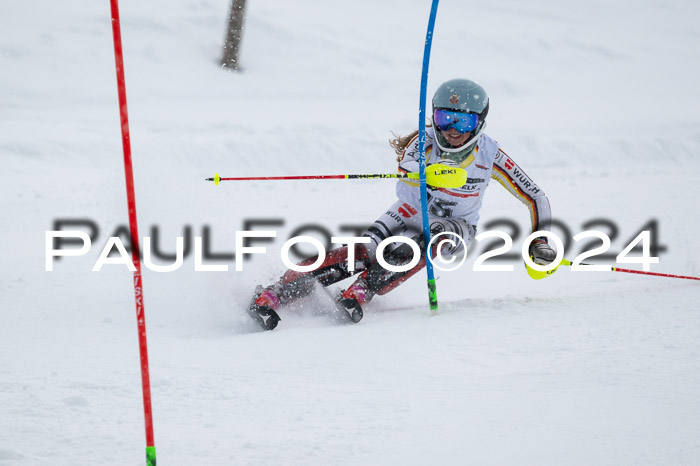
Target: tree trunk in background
(229,57)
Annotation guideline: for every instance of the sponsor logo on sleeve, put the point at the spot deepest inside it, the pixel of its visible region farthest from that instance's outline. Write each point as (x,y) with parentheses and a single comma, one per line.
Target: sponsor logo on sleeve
(407,211)
(525,181)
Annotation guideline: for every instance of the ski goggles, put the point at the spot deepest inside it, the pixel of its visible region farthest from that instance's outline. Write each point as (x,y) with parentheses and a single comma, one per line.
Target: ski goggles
(462,122)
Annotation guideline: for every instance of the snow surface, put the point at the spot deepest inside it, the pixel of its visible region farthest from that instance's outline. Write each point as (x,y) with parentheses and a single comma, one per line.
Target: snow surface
(598,101)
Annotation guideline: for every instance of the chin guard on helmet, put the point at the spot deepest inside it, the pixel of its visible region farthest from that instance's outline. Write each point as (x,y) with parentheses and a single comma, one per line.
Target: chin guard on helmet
(458,154)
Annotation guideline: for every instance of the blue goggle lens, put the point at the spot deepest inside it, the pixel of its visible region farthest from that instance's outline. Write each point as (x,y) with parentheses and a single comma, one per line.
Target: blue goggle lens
(462,122)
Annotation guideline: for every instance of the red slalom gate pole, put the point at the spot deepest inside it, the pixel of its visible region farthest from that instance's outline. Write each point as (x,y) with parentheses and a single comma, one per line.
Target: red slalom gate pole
(135,250)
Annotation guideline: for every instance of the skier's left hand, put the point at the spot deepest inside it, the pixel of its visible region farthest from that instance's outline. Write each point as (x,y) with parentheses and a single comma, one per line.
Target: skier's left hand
(541,252)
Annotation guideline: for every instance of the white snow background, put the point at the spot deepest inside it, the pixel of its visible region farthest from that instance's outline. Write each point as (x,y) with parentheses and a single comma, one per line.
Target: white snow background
(597,101)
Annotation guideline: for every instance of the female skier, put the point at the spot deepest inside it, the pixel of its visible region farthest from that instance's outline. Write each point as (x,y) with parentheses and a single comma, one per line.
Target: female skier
(460,107)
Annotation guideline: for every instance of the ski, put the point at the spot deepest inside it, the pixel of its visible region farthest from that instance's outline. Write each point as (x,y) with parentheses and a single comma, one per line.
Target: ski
(345,310)
(351,309)
(266,317)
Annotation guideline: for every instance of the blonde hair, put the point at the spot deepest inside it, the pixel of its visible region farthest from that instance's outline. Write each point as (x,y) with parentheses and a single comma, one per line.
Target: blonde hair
(399,143)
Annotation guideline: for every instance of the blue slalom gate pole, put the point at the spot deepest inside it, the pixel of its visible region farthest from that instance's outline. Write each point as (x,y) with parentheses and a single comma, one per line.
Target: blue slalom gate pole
(432,290)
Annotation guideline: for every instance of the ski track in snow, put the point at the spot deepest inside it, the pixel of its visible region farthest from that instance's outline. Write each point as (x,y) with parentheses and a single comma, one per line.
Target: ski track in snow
(577,369)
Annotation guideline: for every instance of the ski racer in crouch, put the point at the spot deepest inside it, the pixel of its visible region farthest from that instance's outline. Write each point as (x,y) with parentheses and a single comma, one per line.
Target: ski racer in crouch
(456,138)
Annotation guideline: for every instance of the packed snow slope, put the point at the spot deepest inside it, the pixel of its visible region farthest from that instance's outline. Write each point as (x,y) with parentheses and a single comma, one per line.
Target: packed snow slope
(597,101)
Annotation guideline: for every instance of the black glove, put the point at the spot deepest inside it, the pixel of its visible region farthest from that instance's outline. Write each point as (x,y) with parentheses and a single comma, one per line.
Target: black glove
(541,252)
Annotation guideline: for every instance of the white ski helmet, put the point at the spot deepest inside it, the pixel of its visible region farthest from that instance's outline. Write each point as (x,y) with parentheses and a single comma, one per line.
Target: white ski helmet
(462,104)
